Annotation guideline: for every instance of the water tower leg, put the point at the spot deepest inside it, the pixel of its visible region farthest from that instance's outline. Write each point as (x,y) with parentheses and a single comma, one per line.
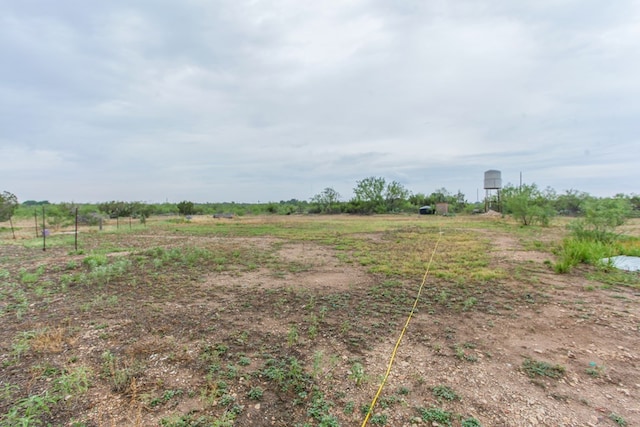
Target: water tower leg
(486,200)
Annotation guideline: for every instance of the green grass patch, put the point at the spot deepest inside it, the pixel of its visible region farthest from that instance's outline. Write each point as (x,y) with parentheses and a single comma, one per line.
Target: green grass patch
(536,368)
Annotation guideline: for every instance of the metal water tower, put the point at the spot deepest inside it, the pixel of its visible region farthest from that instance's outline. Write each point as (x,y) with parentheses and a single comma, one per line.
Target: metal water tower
(492,182)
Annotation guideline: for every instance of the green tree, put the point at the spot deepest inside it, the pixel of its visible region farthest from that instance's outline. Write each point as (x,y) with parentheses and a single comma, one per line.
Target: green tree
(418,200)
(369,195)
(570,202)
(459,201)
(186,208)
(395,196)
(116,209)
(375,195)
(8,205)
(528,204)
(327,201)
(441,195)
(142,211)
(35,203)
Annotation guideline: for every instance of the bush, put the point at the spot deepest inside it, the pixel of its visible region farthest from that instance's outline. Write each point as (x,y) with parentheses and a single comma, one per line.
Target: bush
(593,236)
(601,218)
(528,204)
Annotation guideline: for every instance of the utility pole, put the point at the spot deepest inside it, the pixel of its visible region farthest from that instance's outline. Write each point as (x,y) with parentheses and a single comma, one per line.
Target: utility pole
(520,188)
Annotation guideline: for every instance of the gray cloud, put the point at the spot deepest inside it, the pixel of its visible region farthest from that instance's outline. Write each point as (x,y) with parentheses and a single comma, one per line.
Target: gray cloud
(255,100)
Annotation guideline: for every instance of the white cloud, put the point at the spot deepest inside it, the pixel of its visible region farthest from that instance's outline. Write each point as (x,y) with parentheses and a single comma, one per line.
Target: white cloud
(254,100)
(23,162)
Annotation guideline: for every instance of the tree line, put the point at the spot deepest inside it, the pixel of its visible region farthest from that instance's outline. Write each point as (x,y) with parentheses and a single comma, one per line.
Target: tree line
(527,203)
(375,195)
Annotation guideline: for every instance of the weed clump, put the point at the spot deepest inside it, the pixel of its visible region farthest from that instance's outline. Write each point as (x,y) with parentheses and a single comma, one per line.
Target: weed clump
(535,368)
(444,392)
(436,415)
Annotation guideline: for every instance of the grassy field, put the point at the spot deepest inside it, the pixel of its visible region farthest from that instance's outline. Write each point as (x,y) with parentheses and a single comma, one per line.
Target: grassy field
(292,320)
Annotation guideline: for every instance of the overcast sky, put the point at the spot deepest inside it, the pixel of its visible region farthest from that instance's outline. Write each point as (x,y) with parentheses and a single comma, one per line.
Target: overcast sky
(249,100)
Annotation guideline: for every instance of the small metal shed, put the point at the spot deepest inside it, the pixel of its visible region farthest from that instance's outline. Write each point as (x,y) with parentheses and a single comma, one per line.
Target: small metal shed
(426,210)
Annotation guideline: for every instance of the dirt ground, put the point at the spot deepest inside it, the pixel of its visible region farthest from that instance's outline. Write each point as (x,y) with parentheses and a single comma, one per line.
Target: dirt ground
(160,326)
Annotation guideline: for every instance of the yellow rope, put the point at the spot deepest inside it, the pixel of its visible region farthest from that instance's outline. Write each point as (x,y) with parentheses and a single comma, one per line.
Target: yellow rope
(406,325)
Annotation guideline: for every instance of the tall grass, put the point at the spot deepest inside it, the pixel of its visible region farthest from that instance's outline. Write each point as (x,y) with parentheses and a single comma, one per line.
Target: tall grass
(576,251)
(579,249)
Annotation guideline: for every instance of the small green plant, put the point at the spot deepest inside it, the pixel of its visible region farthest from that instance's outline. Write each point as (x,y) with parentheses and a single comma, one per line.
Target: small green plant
(242,337)
(617,419)
(535,368)
(221,349)
(444,392)
(227,400)
(212,391)
(471,422)
(73,382)
(388,401)
(463,355)
(438,415)
(349,407)
(232,371)
(7,390)
(255,393)
(287,374)
(95,260)
(469,303)
(594,370)
(188,420)
(166,396)
(313,330)
(318,357)
(319,406)
(221,387)
(356,373)
(22,344)
(29,411)
(443,297)
(379,420)
(211,354)
(29,278)
(119,376)
(345,327)
(328,421)
(292,336)
(319,410)
(323,312)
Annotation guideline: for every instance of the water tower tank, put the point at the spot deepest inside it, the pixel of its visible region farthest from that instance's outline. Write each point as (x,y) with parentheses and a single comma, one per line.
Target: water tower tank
(492,180)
